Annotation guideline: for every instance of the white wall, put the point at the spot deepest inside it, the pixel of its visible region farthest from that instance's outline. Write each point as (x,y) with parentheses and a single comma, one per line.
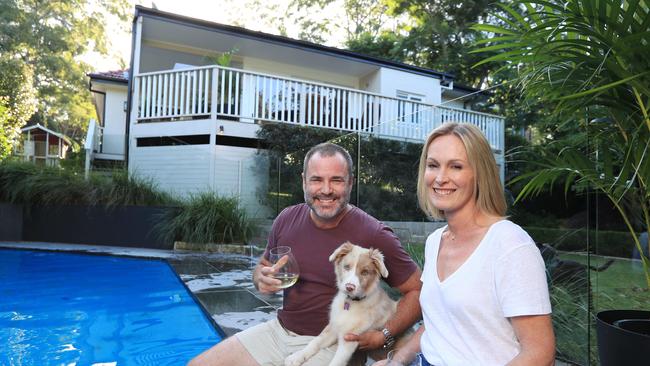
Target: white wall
(181,170)
(372,82)
(114,120)
(156,59)
(293,71)
(175,128)
(450,102)
(193,127)
(242,172)
(393,80)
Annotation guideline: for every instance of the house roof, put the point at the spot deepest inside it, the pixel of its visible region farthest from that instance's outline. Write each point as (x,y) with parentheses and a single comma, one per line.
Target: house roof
(42,128)
(121,76)
(460,90)
(286,41)
(466,88)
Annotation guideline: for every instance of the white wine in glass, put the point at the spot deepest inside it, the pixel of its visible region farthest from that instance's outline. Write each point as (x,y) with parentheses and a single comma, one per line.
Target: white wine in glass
(285,264)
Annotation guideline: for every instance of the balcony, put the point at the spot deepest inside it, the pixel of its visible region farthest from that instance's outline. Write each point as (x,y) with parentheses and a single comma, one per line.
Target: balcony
(215,92)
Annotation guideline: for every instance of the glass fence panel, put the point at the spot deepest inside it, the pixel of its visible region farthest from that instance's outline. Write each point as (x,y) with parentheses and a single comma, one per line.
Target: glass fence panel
(387,178)
(558,222)
(620,288)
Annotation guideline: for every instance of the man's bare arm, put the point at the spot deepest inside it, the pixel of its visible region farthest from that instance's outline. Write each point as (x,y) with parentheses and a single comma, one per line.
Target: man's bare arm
(408,308)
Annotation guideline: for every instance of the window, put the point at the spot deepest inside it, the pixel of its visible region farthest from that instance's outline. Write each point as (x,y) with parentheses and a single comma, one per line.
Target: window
(54,149)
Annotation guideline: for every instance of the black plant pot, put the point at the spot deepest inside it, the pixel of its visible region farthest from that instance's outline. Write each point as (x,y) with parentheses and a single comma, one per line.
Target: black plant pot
(623,337)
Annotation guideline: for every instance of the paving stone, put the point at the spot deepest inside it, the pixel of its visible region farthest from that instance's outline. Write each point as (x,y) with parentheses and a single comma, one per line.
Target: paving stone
(219,281)
(192,266)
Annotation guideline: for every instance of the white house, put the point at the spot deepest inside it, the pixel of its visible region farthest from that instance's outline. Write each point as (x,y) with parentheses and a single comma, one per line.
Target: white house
(109,91)
(42,146)
(191,125)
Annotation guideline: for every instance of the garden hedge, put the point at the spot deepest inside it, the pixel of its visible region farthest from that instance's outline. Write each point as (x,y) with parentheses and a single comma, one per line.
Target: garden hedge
(610,243)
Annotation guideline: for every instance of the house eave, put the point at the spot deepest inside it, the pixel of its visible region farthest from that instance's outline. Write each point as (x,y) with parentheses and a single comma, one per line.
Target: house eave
(286,42)
(103,78)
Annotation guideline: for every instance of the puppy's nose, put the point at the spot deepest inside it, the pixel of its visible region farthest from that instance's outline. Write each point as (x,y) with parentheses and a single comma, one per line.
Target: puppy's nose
(349,287)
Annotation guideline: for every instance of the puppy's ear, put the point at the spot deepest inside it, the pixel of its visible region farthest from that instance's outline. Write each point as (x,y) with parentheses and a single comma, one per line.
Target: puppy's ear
(378,261)
(341,252)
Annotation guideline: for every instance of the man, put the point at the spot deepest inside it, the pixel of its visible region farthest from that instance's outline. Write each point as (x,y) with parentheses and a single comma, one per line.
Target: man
(313,230)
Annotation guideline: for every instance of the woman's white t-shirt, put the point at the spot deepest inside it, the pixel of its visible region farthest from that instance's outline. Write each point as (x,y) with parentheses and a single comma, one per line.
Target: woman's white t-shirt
(466,315)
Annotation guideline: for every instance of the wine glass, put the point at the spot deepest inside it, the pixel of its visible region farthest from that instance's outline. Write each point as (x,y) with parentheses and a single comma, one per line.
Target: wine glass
(285,264)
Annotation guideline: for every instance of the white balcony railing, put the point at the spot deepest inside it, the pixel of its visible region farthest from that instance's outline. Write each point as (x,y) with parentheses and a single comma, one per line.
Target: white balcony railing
(92,144)
(222,92)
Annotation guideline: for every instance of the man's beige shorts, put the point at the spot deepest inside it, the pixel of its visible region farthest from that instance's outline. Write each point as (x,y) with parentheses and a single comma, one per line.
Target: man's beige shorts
(269,344)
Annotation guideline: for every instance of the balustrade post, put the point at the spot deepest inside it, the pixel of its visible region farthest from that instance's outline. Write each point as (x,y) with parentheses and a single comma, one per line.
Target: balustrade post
(303,104)
(213,94)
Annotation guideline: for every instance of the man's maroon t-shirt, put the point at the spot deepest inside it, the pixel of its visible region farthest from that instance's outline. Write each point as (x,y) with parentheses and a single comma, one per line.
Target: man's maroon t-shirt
(306,304)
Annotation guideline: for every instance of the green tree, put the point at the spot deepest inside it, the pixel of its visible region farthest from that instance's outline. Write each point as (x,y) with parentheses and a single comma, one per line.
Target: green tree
(588,60)
(17,100)
(363,18)
(5,142)
(433,34)
(438,34)
(387,45)
(47,37)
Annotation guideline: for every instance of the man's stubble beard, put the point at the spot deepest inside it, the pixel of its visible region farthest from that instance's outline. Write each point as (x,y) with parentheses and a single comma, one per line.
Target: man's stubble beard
(342,204)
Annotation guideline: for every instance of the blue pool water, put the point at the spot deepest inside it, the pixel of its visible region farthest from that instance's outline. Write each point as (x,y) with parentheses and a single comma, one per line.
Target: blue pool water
(75,309)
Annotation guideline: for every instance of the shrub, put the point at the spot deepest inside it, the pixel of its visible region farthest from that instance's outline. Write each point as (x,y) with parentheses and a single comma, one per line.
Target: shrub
(29,184)
(571,325)
(124,189)
(26,183)
(611,243)
(206,218)
(416,252)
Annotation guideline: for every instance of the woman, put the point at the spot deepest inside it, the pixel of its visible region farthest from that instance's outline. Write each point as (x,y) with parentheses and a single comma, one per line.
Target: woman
(484,297)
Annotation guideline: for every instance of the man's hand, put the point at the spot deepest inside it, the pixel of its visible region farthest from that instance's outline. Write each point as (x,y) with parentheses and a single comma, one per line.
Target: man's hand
(372,339)
(262,277)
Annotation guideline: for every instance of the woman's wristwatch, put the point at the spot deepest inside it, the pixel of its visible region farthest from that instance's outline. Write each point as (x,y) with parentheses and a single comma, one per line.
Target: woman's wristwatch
(389,340)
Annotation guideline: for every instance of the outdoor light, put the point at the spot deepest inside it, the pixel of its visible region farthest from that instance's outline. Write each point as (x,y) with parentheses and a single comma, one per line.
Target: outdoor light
(221,132)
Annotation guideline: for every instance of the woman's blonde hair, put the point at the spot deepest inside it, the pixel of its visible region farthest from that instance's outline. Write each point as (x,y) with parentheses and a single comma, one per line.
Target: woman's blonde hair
(488,190)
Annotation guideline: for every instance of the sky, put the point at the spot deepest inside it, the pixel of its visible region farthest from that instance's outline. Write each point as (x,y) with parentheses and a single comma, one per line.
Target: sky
(231,12)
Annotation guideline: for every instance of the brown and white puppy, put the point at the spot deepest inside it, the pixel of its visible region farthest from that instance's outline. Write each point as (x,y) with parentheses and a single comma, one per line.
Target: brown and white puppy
(360,304)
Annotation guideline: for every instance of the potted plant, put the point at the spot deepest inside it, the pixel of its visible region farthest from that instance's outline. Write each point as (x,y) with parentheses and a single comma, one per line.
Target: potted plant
(588,59)
(230,88)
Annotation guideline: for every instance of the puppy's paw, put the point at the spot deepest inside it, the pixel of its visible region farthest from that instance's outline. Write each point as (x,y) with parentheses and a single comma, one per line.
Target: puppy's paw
(295,359)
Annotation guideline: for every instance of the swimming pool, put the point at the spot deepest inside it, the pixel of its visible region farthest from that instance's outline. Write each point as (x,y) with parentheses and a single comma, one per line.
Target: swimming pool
(77,309)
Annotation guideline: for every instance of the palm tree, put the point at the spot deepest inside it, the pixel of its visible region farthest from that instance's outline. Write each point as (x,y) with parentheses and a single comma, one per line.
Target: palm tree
(590,59)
